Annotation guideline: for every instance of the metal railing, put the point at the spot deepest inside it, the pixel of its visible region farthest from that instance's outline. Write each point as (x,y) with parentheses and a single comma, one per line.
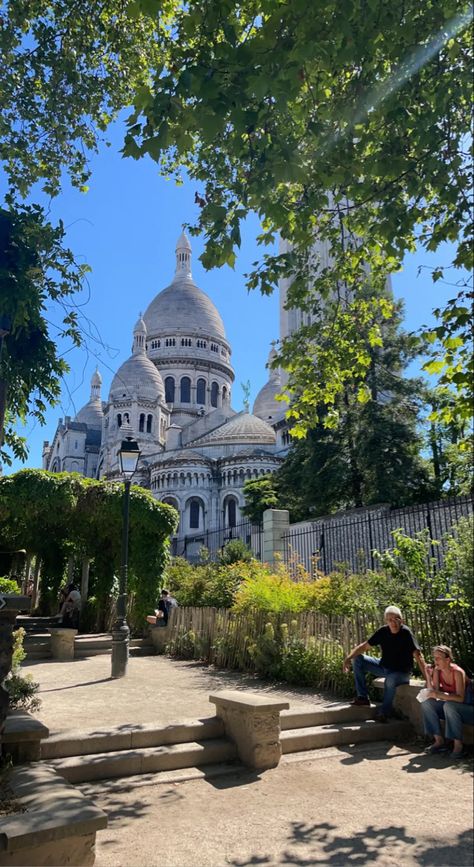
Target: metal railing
(213,541)
(351,539)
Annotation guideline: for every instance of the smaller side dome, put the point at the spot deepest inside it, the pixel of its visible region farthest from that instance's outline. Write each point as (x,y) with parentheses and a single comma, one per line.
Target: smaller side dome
(92,413)
(137,376)
(265,405)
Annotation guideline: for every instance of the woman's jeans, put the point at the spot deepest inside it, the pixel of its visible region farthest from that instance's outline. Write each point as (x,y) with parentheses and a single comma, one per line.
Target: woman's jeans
(363,665)
(453,712)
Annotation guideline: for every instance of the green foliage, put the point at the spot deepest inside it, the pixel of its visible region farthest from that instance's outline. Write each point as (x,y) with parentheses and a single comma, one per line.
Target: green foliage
(344,122)
(55,515)
(234,551)
(207,583)
(38,281)
(458,566)
(7,585)
(410,571)
(373,455)
(78,66)
(260,494)
(22,689)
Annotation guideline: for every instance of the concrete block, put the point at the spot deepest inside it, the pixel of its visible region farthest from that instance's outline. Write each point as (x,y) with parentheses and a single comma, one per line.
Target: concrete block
(62,643)
(252,722)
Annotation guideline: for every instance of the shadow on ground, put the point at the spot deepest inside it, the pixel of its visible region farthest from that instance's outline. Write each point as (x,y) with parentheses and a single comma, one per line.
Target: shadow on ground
(312,844)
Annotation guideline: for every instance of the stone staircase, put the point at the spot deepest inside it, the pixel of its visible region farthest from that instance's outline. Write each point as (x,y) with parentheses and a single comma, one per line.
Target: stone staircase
(334,726)
(130,750)
(38,645)
(141,749)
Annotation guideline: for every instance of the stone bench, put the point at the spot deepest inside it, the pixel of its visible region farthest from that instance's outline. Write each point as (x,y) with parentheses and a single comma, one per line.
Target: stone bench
(22,735)
(62,643)
(406,703)
(253,723)
(59,826)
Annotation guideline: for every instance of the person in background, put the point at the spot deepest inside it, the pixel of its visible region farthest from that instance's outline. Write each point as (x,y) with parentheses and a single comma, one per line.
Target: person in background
(399,647)
(449,698)
(71,608)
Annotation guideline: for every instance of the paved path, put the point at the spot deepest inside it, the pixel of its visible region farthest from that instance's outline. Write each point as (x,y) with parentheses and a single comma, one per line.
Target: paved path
(382,805)
(82,695)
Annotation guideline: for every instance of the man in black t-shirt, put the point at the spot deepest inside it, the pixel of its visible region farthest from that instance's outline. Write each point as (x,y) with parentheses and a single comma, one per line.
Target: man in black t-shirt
(399,646)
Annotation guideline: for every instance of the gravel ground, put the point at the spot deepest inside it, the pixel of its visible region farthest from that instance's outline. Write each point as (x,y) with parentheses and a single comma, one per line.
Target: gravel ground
(81,694)
(382,805)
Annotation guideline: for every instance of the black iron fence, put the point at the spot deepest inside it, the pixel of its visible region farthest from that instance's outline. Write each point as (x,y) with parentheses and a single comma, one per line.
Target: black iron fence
(190,547)
(351,539)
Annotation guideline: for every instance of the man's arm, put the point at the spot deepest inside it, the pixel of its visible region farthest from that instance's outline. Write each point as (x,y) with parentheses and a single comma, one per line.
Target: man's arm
(420,661)
(361,648)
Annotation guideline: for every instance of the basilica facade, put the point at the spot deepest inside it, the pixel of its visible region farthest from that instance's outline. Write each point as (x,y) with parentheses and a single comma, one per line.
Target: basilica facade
(174,394)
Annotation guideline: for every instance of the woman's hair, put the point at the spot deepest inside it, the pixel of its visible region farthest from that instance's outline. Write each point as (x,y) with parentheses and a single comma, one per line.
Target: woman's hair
(392,609)
(443,648)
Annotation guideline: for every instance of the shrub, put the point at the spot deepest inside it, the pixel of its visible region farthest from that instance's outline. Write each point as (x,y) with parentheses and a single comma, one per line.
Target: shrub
(9,585)
(458,568)
(234,551)
(22,689)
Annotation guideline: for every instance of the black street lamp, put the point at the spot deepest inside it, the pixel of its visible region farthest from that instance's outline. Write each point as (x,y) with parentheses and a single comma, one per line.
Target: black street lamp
(129,454)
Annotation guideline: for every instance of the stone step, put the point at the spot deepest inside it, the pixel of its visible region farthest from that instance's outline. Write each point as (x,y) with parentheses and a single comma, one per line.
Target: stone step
(315,737)
(317,716)
(125,763)
(126,737)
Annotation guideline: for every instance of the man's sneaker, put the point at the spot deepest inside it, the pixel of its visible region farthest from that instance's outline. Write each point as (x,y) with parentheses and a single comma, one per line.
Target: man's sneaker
(380,716)
(360,701)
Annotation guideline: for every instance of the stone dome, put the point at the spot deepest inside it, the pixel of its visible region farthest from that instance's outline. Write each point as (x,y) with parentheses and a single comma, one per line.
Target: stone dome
(182,307)
(266,406)
(91,414)
(138,375)
(242,428)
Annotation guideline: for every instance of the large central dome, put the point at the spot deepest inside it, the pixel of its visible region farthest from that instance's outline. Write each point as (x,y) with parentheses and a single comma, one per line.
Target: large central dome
(182,307)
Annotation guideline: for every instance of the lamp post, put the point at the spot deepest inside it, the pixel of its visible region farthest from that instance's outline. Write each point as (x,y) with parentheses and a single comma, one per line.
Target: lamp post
(129,454)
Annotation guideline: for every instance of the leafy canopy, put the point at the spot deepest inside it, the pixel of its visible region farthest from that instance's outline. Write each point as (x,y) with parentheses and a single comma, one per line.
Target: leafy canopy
(348,121)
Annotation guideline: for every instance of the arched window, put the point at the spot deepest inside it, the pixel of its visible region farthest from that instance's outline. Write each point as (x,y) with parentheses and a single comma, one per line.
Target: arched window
(194,514)
(214,393)
(119,419)
(126,418)
(149,423)
(201,391)
(169,389)
(185,390)
(231,512)
(224,395)
(141,423)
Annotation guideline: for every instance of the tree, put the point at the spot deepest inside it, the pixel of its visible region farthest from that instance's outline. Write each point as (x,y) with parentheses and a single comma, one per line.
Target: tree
(55,515)
(374,454)
(67,70)
(346,121)
(260,494)
(36,271)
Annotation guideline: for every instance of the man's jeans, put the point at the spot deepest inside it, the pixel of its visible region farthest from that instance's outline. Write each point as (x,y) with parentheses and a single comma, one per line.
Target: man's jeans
(454,712)
(363,665)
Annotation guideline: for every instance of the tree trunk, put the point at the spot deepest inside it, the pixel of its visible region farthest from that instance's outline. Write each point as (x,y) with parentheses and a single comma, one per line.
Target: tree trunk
(36,584)
(70,569)
(85,579)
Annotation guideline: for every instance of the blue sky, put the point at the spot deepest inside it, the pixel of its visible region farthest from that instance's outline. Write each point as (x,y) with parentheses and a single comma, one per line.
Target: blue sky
(126,228)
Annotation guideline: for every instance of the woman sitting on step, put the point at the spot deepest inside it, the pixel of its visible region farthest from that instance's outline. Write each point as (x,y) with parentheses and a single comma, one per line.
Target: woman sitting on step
(449,698)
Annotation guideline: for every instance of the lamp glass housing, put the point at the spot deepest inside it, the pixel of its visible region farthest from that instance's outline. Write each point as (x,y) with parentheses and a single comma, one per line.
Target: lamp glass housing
(129,454)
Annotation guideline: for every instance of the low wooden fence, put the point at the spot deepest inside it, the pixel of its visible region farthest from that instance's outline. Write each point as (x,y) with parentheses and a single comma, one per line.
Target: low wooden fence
(221,637)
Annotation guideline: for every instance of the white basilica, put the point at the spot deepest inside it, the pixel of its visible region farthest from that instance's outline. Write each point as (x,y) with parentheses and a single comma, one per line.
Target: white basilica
(174,392)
